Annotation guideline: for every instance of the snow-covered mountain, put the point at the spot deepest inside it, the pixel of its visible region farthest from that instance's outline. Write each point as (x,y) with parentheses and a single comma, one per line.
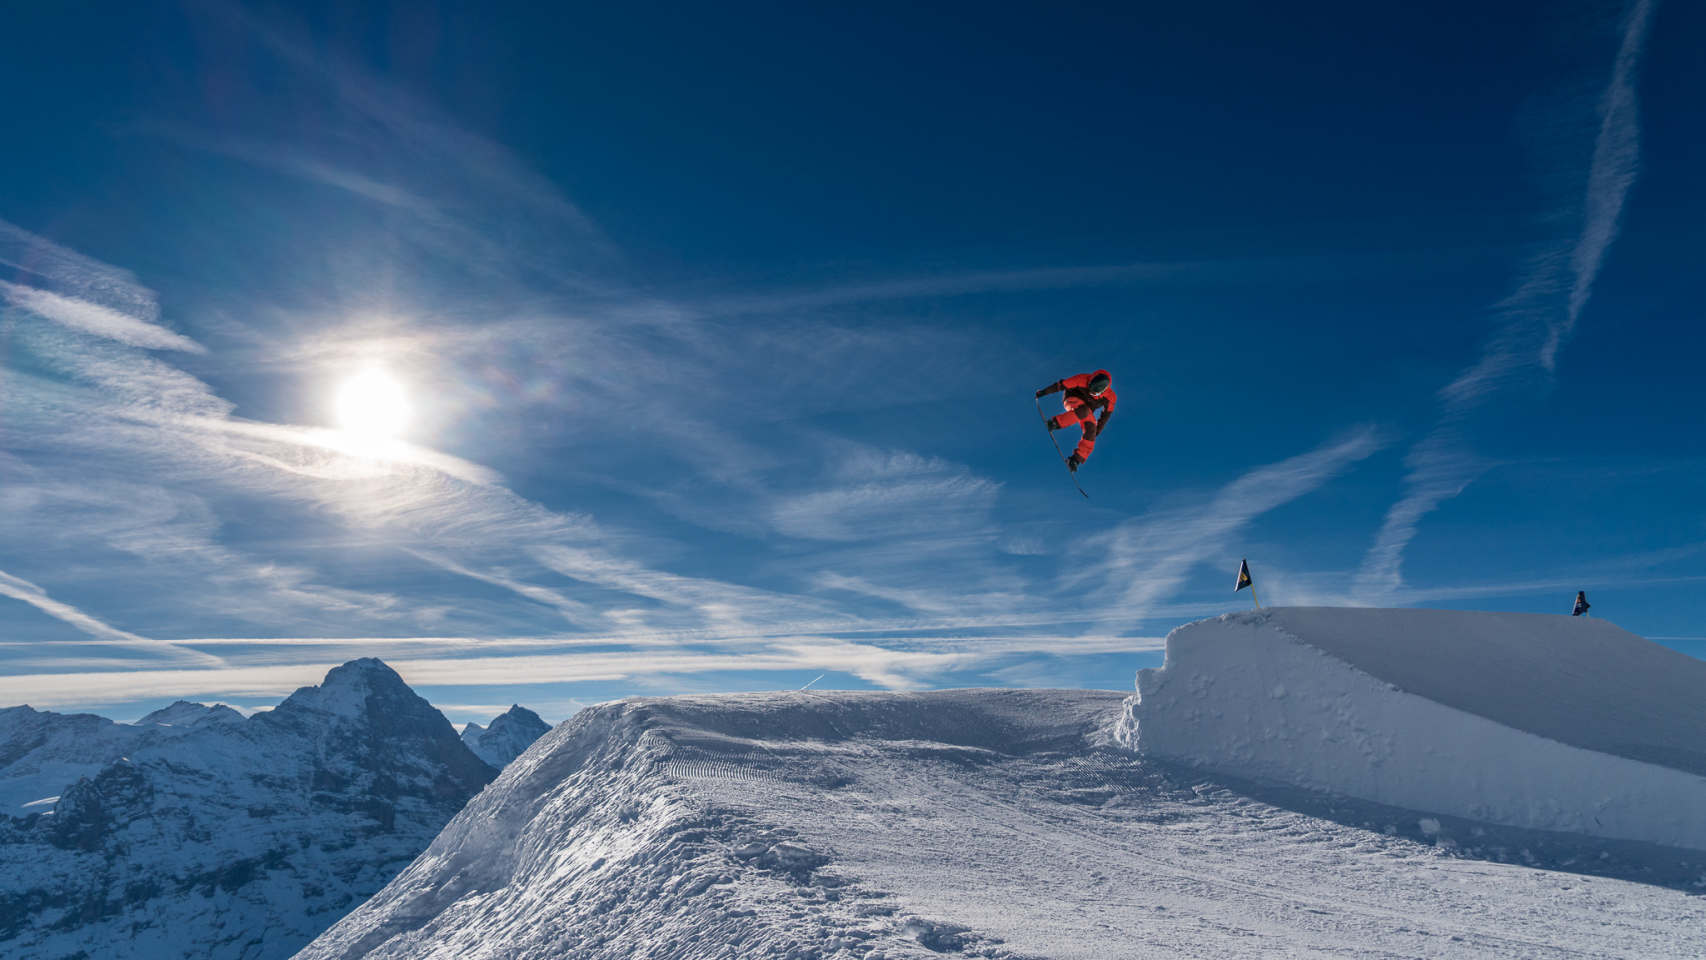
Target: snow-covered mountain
(42,752)
(1012,824)
(196,833)
(507,737)
(186,714)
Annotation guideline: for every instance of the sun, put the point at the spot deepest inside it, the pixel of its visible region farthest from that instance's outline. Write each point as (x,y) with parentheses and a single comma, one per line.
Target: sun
(373,405)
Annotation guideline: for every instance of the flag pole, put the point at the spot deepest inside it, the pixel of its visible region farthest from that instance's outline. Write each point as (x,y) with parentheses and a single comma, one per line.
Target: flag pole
(1245,580)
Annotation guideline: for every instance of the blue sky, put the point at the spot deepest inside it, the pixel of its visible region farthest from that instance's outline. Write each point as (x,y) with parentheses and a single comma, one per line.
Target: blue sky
(718,329)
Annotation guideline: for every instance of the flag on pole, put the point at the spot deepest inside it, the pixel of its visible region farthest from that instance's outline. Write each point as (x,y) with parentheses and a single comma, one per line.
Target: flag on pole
(1582,603)
(1245,581)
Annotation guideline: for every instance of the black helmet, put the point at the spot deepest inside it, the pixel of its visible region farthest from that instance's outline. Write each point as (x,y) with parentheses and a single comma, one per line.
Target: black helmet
(1099,384)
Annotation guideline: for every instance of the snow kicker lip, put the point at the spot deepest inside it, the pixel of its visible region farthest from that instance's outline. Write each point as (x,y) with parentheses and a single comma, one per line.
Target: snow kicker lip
(1355,702)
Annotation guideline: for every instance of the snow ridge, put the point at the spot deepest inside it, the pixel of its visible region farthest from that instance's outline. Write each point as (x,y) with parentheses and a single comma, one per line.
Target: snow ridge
(599,843)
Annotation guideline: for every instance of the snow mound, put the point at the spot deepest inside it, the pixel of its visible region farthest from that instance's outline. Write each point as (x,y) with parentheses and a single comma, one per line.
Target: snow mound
(1542,722)
(1002,824)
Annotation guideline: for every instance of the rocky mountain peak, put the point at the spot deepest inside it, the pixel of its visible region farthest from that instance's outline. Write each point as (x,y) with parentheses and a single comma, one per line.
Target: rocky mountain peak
(508,736)
(364,690)
(520,714)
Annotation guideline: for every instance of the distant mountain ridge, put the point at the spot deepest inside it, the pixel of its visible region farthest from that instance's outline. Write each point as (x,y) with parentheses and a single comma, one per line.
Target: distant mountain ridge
(508,736)
(187,714)
(196,832)
(42,752)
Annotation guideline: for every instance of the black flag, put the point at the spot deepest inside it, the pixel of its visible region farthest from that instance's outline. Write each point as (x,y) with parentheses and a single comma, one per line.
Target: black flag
(1582,603)
(1244,576)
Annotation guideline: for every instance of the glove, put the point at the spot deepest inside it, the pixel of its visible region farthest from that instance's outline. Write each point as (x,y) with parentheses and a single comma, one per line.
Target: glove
(1051,388)
(1042,393)
(1073,462)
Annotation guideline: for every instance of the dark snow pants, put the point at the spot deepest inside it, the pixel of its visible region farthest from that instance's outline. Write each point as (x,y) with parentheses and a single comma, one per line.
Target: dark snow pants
(1079,412)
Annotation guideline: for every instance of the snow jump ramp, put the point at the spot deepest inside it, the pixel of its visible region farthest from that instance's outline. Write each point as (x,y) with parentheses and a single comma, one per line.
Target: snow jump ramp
(1543,722)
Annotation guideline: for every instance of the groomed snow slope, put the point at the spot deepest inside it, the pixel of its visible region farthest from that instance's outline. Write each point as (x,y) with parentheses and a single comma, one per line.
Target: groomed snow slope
(1544,722)
(975,823)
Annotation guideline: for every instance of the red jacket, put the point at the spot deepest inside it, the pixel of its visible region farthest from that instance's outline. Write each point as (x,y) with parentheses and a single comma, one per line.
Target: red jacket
(1078,395)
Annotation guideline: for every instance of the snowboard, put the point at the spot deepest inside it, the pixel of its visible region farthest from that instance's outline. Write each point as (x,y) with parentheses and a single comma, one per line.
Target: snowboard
(1070,473)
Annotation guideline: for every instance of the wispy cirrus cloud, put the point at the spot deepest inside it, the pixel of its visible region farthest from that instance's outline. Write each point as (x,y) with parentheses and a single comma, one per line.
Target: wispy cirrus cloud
(1616,154)
(129,528)
(1147,558)
(75,276)
(883,495)
(1535,322)
(901,665)
(96,319)
(726,609)
(288,160)
(956,283)
(575,611)
(349,456)
(935,601)
(24,591)
(471,200)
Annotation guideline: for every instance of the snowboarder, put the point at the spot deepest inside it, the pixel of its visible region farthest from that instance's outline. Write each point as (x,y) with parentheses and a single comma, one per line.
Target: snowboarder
(1581,603)
(1086,394)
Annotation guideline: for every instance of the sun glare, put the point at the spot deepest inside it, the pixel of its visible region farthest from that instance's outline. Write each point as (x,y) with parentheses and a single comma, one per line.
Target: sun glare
(373,405)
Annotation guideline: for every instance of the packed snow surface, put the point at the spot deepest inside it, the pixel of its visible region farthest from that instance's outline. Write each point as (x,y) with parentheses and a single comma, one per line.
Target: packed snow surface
(1577,680)
(976,823)
(1546,722)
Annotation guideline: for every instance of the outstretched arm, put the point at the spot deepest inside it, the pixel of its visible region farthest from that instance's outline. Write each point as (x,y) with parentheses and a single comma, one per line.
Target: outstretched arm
(1054,387)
